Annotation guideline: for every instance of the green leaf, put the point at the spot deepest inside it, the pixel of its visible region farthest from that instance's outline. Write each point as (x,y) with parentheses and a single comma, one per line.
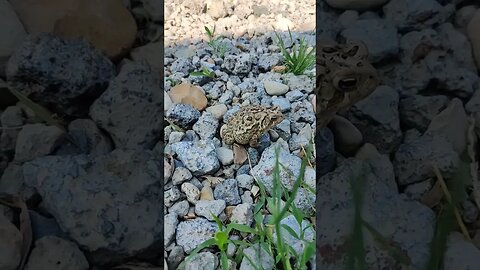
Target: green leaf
(241,228)
(221,238)
(290,231)
(224,260)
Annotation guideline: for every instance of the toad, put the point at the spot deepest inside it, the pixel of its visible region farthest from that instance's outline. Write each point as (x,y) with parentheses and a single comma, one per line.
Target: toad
(247,125)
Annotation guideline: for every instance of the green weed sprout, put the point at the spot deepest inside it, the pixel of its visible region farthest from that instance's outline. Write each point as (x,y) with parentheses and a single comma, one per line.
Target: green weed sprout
(219,48)
(300,59)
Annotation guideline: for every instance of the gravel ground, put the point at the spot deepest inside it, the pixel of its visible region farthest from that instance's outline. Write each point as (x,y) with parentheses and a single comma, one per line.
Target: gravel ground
(243,75)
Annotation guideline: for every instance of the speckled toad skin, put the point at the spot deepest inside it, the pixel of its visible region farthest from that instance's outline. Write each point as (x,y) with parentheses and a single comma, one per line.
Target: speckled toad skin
(248,124)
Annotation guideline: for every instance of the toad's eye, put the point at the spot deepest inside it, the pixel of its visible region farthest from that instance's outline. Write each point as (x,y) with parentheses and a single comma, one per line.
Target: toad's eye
(248,118)
(347,84)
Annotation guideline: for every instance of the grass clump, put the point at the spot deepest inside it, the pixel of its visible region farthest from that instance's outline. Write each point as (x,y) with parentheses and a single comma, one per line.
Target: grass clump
(300,58)
(268,234)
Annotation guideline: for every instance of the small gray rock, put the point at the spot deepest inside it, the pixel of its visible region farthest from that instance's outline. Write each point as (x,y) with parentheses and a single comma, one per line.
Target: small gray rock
(51,252)
(245,181)
(259,256)
(225,155)
(199,157)
(238,64)
(200,228)
(130,110)
(418,111)
(242,214)
(305,228)
(60,72)
(207,208)
(181,175)
(191,191)
(267,61)
(294,95)
(36,140)
(170,226)
(206,126)
(171,196)
(227,191)
(203,260)
(281,102)
(263,170)
(183,115)
(179,208)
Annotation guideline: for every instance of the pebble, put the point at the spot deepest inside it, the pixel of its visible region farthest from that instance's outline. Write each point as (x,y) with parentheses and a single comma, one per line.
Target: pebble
(61,72)
(304,228)
(259,255)
(228,191)
(50,251)
(217,110)
(453,124)
(187,93)
(274,88)
(149,53)
(281,102)
(192,192)
(225,155)
(206,193)
(207,208)
(137,87)
(199,157)
(171,222)
(245,181)
(460,253)
(411,15)
(200,227)
(242,214)
(36,140)
(181,175)
(183,115)
(347,137)
(266,165)
(167,101)
(179,208)
(202,260)
(294,95)
(206,126)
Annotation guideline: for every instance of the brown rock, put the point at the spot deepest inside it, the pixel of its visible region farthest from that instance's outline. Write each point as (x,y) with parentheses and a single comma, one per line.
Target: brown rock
(347,136)
(189,94)
(240,154)
(107,24)
(473,30)
(40,15)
